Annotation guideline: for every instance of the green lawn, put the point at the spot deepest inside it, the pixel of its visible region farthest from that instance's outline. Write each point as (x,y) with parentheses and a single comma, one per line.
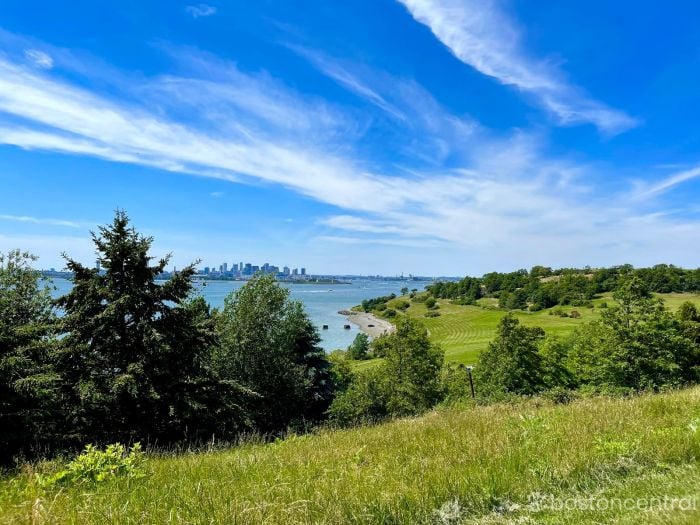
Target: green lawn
(454,465)
(464,331)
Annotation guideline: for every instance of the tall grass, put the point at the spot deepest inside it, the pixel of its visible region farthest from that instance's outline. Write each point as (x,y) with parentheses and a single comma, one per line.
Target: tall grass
(453,465)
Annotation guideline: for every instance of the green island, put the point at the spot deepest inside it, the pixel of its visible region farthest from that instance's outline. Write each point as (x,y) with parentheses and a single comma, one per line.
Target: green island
(141,404)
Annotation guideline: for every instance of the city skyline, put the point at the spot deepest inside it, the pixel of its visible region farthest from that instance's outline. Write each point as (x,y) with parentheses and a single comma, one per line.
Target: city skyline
(248,270)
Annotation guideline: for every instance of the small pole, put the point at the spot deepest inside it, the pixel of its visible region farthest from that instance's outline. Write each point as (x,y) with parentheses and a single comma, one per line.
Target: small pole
(471,381)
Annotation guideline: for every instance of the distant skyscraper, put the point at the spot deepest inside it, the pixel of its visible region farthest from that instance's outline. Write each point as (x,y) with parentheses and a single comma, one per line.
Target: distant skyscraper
(234,268)
(286,270)
(303,271)
(295,271)
(225,267)
(206,270)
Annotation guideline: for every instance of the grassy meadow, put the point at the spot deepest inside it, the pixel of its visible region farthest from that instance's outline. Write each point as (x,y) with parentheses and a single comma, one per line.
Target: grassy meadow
(489,464)
(464,331)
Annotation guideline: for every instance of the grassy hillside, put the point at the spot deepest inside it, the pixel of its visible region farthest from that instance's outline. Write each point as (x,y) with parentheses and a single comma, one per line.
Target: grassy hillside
(463,331)
(481,465)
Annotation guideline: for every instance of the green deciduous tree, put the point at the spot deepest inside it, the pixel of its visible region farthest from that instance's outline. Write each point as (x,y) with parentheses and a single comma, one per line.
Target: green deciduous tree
(512,363)
(271,346)
(637,345)
(412,367)
(359,347)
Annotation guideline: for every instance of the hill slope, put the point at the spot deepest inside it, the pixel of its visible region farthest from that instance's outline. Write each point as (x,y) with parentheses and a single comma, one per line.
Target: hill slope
(464,331)
(456,465)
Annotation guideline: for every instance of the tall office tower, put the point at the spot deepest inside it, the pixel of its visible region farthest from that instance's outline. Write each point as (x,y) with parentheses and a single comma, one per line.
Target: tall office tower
(295,271)
(286,270)
(234,268)
(225,267)
(303,271)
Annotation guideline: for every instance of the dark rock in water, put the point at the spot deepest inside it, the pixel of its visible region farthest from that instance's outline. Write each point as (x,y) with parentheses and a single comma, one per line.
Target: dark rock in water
(325,327)
(347,327)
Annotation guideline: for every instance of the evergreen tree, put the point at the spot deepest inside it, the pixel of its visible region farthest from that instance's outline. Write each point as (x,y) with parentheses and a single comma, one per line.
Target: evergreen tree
(271,346)
(28,401)
(135,362)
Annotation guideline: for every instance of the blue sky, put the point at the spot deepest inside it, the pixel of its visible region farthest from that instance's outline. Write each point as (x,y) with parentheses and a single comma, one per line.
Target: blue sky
(434,137)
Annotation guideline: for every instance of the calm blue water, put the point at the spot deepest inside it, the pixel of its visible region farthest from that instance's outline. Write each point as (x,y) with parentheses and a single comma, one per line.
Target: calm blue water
(322,301)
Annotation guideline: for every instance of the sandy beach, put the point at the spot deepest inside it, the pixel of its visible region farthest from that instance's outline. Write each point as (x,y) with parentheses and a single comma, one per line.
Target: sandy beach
(368,323)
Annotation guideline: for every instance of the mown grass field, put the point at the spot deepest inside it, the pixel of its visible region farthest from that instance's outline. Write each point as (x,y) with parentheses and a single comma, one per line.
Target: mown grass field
(464,331)
(454,465)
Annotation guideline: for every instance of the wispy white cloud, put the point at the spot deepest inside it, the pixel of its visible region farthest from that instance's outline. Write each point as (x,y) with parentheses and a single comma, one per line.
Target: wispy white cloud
(43,221)
(647,190)
(508,201)
(38,58)
(480,34)
(200,10)
(341,73)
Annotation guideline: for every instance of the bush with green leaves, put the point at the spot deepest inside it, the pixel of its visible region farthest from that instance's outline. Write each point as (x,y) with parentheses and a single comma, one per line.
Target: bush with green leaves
(406,382)
(96,466)
(431,313)
(389,313)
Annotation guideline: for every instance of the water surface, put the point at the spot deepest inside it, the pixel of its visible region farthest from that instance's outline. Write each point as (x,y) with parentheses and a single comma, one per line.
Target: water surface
(322,301)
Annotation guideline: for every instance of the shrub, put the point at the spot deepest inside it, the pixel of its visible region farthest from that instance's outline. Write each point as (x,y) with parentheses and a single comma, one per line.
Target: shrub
(455,382)
(389,313)
(96,466)
(402,305)
(432,314)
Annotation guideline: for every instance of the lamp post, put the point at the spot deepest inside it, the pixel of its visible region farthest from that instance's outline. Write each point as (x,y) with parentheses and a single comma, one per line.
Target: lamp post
(471,381)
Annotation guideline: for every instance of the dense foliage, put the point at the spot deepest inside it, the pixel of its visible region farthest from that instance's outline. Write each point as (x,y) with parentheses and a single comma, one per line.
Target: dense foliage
(135,362)
(125,357)
(543,287)
(27,379)
(132,359)
(269,344)
(406,382)
(636,345)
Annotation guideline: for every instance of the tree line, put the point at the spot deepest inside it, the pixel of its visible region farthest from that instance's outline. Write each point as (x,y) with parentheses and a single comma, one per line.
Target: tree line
(637,345)
(542,287)
(122,357)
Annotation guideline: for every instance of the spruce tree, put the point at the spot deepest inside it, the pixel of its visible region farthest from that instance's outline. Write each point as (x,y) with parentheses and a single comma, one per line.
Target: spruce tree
(135,361)
(28,401)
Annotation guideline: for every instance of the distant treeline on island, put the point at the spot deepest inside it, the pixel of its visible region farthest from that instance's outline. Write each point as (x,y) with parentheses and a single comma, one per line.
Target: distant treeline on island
(542,287)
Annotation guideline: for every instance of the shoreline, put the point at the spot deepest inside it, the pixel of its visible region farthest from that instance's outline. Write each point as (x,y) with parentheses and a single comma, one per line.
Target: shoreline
(368,323)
